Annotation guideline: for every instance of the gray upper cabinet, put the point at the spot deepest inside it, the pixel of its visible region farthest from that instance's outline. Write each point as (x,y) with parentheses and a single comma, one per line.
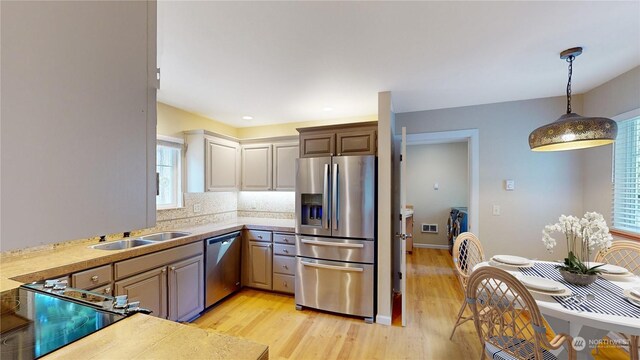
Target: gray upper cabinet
(257,167)
(212,162)
(284,166)
(78,119)
(269,166)
(339,140)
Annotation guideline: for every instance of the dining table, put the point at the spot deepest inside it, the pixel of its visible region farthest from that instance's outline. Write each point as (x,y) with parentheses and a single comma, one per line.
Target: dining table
(588,312)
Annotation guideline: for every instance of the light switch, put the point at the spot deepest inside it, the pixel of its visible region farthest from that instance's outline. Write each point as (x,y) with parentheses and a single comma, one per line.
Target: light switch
(509,185)
(496,210)
(436,186)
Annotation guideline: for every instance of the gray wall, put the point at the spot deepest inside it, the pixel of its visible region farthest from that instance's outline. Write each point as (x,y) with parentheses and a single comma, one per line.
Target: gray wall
(546,184)
(447,165)
(614,97)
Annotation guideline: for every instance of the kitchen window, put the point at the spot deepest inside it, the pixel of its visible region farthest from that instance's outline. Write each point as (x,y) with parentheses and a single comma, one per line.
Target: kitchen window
(626,175)
(169,172)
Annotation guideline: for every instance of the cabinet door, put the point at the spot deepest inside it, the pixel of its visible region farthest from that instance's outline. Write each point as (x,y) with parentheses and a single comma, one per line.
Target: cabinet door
(256,167)
(150,288)
(186,289)
(260,265)
(284,166)
(360,142)
(221,165)
(314,145)
(88,92)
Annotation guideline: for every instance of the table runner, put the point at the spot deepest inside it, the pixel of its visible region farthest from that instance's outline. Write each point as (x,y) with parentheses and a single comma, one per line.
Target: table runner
(609,297)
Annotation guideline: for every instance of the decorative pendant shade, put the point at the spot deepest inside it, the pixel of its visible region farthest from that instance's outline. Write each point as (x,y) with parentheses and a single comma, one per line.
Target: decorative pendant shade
(572,131)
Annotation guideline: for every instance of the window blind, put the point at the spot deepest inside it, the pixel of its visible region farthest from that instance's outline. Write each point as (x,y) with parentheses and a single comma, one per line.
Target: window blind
(626,176)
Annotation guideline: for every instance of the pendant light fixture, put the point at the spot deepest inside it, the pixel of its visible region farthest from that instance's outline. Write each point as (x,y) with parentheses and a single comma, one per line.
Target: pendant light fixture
(572,131)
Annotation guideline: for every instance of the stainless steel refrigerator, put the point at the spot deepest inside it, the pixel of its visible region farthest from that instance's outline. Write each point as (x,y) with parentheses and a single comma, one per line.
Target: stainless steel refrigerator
(335,234)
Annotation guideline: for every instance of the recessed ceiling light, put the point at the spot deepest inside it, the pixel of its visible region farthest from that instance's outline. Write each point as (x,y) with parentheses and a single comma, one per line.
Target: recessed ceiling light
(327,108)
(247,117)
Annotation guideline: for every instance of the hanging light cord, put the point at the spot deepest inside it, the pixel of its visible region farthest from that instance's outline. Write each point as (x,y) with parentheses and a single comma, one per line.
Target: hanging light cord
(570,61)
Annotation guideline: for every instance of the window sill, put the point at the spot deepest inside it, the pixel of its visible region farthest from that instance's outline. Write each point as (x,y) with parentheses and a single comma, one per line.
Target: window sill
(625,234)
(170,208)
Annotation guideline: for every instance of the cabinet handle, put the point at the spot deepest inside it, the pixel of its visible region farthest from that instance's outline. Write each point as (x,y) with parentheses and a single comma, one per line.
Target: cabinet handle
(164,270)
(269,245)
(285,266)
(107,290)
(259,236)
(284,283)
(173,268)
(94,278)
(285,251)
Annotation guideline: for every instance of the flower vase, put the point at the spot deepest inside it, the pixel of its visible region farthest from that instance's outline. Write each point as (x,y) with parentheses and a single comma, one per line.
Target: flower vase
(578,279)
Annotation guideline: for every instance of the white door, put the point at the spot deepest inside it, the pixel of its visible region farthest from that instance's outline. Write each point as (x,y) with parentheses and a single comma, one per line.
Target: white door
(403,224)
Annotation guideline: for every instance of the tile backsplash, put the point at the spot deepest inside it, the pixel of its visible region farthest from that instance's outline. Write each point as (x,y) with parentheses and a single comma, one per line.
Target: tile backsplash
(266,204)
(200,208)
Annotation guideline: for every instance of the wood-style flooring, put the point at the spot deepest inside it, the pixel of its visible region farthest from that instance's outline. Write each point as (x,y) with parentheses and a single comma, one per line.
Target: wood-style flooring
(434,298)
(433,301)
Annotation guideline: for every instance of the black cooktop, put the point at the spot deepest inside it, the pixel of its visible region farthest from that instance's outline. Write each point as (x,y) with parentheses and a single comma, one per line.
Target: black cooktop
(37,321)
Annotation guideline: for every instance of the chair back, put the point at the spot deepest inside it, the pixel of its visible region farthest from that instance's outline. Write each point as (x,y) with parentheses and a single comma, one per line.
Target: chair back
(623,253)
(467,253)
(505,314)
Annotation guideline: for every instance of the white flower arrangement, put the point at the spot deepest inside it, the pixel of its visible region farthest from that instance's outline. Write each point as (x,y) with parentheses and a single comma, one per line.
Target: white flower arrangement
(582,236)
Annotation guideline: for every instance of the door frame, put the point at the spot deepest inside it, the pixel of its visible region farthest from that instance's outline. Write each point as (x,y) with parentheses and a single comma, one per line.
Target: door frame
(472,137)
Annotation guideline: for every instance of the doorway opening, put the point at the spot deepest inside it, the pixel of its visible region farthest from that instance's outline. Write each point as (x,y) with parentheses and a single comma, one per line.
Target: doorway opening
(442,172)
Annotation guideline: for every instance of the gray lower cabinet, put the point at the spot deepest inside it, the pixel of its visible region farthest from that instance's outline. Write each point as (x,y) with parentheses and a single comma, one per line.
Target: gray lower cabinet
(260,264)
(170,282)
(186,289)
(150,288)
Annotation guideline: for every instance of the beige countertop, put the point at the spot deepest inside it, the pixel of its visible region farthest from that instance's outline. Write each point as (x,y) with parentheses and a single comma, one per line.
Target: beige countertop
(139,336)
(28,266)
(147,337)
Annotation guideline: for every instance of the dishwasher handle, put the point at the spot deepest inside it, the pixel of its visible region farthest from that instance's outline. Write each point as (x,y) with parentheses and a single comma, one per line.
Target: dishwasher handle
(222,238)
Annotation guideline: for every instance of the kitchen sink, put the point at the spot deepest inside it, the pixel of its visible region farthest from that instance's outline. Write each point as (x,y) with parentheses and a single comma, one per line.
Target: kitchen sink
(167,235)
(122,244)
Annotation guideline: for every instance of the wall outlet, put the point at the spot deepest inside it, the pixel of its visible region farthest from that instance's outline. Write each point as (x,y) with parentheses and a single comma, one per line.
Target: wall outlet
(197,208)
(496,210)
(509,185)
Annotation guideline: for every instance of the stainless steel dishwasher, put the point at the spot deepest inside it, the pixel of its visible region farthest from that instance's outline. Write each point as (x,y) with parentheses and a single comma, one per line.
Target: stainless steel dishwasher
(222,267)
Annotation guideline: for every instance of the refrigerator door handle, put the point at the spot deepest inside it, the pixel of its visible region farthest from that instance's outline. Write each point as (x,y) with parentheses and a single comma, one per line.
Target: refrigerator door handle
(335,244)
(325,198)
(334,197)
(332,267)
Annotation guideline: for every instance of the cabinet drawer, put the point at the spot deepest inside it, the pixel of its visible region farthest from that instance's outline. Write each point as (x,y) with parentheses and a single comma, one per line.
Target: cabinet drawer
(286,250)
(92,278)
(139,264)
(283,283)
(258,235)
(284,238)
(104,289)
(284,264)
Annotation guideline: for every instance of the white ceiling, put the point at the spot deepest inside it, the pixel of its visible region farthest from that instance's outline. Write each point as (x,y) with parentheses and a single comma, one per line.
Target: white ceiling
(285,61)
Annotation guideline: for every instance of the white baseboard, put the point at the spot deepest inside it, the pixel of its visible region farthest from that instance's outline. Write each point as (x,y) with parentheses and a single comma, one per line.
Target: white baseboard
(383,320)
(431,246)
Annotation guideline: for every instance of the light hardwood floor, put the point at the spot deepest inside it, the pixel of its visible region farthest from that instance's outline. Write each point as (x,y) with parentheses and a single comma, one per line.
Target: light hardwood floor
(434,297)
(433,302)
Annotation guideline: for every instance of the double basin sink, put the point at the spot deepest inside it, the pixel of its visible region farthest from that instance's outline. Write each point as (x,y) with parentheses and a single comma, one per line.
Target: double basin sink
(140,241)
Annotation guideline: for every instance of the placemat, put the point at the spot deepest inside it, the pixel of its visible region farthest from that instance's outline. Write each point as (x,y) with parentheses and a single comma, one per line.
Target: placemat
(609,297)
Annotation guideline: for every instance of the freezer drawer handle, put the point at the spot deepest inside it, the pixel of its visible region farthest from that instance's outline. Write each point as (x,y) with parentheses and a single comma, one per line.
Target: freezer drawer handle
(331,267)
(327,243)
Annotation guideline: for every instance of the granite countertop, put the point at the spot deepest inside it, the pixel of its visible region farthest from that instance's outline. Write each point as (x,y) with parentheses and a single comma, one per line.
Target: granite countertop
(138,336)
(29,266)
(147,337)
